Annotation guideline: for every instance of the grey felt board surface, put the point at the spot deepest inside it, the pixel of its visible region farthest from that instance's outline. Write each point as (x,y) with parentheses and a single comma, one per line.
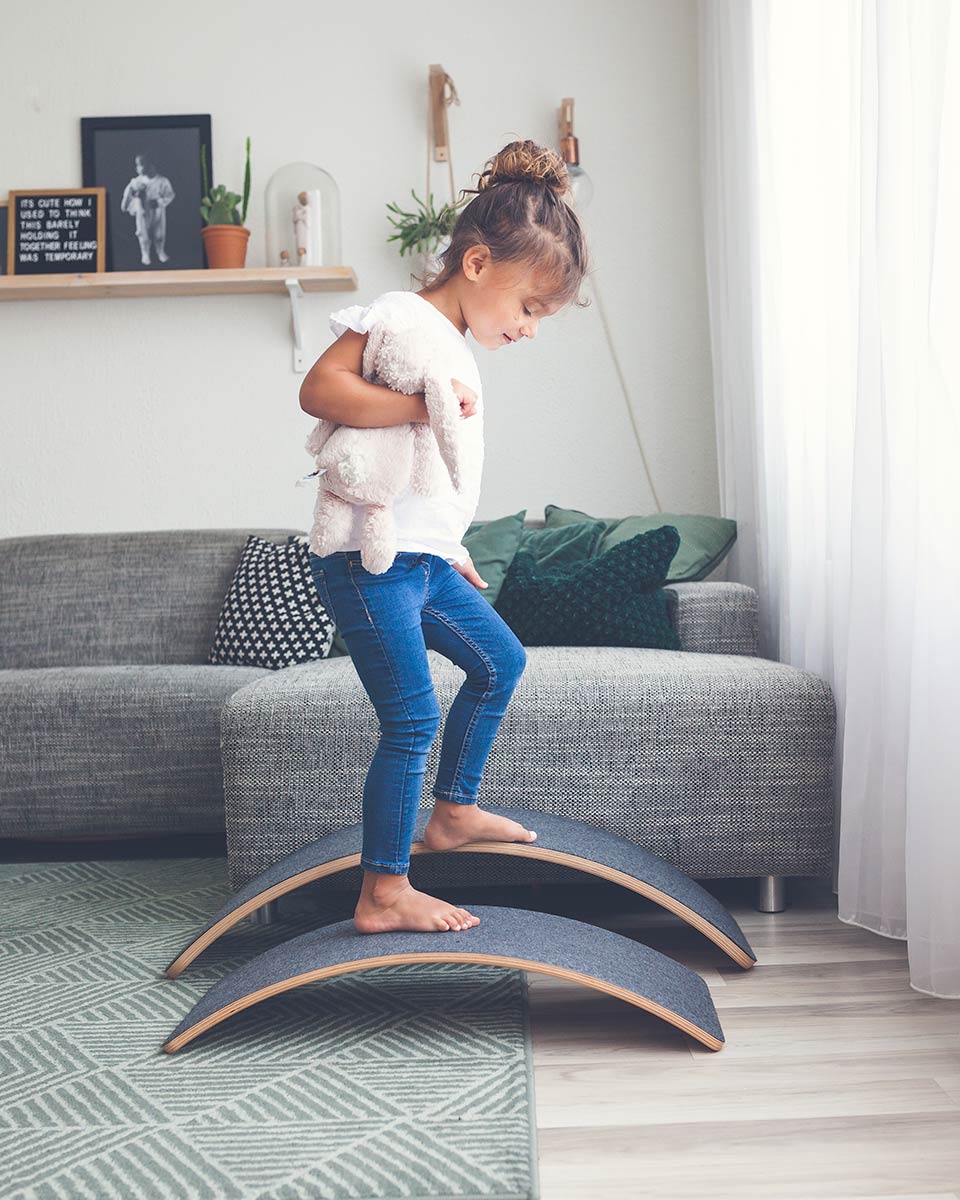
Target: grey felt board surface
(554,832)
(514,933)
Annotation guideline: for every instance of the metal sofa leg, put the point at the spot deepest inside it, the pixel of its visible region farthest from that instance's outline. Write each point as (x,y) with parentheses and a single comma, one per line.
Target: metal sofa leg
(266,914)
(771,894)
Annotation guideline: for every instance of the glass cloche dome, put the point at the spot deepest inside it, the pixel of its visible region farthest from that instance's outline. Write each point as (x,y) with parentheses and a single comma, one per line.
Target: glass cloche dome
(302,213)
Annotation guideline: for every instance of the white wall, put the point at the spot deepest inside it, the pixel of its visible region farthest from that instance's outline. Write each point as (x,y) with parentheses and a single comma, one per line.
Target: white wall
(182,412)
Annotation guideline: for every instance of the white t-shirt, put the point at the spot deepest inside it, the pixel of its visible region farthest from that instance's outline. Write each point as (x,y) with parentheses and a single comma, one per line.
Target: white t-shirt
(434,524)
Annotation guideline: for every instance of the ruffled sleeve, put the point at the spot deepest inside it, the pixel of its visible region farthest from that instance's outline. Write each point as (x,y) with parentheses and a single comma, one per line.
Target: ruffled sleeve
(362,317)
(358,317)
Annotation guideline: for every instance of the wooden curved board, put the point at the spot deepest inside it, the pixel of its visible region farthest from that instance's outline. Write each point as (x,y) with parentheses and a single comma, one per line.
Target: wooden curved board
(559,839)
(512,938)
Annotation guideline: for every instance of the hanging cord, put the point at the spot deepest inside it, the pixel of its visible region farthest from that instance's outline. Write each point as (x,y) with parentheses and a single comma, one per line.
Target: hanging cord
(450,97)
(623,385)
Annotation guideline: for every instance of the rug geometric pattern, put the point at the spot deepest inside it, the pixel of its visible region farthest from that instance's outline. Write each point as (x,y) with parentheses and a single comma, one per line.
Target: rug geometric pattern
(413,1080)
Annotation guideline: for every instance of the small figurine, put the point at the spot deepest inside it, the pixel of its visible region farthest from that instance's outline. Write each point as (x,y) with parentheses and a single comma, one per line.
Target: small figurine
(284,258)
(301,226)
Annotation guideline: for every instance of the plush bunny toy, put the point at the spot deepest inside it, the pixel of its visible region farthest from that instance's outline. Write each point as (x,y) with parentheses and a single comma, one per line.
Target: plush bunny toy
(370,466)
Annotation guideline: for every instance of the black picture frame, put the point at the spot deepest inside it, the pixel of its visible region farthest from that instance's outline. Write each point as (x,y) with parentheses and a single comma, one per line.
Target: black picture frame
(4,216)
(150,168)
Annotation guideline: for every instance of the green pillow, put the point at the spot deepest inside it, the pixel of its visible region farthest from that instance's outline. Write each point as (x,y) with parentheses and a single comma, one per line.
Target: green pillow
(564,543)
(492,545)
(704,541)
(338,649)
(614,599)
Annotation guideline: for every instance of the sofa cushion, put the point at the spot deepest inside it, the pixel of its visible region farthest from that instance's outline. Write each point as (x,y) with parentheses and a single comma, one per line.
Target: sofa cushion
(272,614)
(704,541)
(720,763)
(89,599)
(115,751)
(614,600)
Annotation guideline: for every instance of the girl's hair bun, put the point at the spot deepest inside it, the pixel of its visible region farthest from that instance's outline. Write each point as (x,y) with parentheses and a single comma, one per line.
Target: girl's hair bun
(520,214)
(526,162)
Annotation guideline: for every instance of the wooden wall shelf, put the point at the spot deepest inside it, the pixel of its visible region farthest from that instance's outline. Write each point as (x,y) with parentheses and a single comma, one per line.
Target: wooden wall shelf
(210,282)
(284,281)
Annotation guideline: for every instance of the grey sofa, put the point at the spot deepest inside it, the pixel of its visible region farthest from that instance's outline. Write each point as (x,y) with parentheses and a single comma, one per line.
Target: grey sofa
(114,724)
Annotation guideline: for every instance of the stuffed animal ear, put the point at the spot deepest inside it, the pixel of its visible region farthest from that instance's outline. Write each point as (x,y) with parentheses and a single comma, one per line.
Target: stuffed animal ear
(444,409)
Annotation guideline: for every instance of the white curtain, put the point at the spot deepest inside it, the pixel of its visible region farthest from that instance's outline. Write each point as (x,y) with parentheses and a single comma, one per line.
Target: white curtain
(830,139)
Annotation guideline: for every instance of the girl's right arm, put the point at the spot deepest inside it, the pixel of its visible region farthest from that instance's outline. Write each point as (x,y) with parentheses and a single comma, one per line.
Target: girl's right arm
(334,389)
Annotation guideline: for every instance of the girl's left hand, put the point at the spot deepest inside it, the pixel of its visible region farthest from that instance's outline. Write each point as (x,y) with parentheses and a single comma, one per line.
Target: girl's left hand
(469,571)
(467,397)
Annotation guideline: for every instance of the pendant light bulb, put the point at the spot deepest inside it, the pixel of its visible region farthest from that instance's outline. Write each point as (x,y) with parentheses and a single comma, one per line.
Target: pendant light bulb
(581,185)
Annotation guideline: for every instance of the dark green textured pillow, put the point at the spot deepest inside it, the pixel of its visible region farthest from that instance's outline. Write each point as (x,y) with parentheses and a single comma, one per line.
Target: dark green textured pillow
(616,599)
(704,541)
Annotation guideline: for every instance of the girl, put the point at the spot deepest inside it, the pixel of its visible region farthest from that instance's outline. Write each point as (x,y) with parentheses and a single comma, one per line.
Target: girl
(517,254)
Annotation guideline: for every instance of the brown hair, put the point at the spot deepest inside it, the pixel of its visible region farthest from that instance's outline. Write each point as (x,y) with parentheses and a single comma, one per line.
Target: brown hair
(519,213)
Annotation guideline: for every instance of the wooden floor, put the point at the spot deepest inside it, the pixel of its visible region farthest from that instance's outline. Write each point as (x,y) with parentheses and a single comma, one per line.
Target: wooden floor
(837,1078)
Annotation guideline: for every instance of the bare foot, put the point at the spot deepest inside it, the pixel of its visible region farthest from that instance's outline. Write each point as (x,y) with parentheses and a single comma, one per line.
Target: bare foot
(453,825)
(403,907)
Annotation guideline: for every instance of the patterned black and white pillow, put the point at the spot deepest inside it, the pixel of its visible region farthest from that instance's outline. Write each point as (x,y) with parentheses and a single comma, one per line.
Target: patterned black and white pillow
(272,615)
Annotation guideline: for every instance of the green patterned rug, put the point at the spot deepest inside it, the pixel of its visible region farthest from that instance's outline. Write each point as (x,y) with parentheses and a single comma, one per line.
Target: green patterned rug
(413,1080)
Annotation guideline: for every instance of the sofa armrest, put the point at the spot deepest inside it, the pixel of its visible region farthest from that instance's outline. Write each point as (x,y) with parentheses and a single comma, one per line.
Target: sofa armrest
(714,617)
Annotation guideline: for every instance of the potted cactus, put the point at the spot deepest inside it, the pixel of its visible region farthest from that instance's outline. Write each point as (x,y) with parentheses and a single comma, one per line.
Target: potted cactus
(224,235)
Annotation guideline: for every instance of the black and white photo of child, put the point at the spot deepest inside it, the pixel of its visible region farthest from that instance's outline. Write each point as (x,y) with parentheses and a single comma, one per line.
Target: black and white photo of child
(148,165)
(146,198)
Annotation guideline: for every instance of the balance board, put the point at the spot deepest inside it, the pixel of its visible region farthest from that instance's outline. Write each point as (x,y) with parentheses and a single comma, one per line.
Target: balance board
(559,840)
(506,937)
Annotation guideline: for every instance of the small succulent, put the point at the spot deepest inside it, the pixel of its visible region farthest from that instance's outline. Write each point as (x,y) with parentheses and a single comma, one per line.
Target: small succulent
(421,231)
(219,207)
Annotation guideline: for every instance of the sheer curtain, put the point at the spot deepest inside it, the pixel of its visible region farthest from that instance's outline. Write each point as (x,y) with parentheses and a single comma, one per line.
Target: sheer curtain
(830,154)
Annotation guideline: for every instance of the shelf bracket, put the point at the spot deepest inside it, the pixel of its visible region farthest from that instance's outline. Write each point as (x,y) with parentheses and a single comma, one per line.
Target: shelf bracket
(296,291)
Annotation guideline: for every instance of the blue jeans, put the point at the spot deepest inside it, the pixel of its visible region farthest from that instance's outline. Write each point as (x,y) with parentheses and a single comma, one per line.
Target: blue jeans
(388,622)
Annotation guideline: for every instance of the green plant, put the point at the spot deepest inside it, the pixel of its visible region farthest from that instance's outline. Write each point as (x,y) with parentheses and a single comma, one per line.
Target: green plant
(219,207)
(422,231)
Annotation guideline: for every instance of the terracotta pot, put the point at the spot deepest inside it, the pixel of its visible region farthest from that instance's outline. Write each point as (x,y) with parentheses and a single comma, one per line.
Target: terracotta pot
(226,245)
